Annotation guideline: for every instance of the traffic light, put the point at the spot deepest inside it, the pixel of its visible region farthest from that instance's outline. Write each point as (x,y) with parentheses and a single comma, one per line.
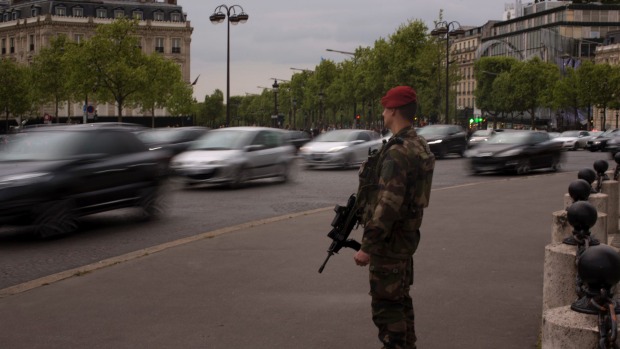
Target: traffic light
(357,117)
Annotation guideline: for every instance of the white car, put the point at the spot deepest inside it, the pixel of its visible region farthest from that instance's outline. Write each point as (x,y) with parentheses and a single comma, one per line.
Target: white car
(234,155)
(573,140)
(340,148)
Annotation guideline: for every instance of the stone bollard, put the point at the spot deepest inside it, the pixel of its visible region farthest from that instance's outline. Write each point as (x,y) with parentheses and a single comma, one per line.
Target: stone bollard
(610,188)
(564,328)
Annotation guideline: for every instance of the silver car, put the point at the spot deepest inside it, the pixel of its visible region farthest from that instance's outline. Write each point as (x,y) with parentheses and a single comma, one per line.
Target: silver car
(235,155)
(340,148)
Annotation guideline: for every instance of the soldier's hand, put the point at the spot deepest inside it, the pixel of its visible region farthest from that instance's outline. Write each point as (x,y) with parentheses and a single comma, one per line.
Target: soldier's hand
(361,258)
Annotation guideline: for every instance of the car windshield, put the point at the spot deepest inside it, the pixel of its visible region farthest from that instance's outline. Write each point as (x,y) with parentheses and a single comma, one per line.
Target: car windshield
(337,136)
(570,134)
(434,130)
(482,133)
(37,146)
(160,136)
(222,140)
(510,138)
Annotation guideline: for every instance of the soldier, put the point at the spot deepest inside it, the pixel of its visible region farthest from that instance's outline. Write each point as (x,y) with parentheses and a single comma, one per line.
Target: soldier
(394,189)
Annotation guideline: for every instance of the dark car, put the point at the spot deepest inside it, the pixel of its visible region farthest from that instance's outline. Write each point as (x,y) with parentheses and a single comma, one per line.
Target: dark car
(613,143)
(50,176)
(298,138)
(599,142)
(445,139)
(519,151)
(174,139)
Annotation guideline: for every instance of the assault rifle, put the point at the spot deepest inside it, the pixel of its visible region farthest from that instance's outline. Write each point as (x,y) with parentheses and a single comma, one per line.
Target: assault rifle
(342,224)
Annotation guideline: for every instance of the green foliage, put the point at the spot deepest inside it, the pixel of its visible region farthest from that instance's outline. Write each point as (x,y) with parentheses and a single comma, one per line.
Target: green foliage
(15,96)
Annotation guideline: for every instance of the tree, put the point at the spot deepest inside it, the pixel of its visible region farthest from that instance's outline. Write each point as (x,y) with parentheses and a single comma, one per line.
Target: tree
(114,56)
(566,94)
(486,70)
(213,111)
(51,67)
(531,81)
(163,86)
(14,90)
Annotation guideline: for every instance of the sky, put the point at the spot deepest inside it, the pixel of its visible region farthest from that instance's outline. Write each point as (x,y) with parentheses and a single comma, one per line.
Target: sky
(284,34)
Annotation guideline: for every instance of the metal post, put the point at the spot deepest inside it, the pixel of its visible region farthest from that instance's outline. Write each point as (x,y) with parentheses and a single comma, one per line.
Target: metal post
(217,17)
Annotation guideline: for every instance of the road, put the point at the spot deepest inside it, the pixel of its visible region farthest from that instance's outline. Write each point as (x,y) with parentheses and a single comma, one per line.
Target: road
(198,210)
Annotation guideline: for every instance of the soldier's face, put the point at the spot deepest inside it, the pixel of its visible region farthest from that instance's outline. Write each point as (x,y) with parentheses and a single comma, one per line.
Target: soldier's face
(388,116)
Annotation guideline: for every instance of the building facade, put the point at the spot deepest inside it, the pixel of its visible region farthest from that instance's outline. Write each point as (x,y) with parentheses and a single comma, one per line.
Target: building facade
(550,30)
(26,26)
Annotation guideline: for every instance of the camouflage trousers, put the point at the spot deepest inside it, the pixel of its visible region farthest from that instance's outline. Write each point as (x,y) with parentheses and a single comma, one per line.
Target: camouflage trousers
(392,306)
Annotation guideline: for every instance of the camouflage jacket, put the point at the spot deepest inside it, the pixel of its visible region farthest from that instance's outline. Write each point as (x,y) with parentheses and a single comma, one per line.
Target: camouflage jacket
(404,174)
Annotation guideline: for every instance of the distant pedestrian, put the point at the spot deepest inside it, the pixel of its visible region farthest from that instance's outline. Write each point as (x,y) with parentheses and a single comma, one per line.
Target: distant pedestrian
(394,189)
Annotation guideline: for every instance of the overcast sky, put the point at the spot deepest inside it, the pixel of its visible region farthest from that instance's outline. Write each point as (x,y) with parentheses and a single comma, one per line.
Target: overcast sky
(281,34)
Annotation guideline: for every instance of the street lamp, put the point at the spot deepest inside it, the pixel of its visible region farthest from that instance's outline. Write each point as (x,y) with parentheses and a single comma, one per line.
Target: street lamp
(448,29)
(275,87)
(343,52)
(233,18)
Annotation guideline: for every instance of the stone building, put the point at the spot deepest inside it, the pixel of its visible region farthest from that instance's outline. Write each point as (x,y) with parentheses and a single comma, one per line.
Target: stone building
(26,26)
(555,31)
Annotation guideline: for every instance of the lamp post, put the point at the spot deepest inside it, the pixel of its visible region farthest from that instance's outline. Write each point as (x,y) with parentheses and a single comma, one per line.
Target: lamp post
(274,88)
(448,29)
(355,64)
(233,18)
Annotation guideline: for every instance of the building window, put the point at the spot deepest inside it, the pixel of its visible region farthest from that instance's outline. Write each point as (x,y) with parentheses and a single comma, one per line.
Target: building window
(34,12)
(175,17)
(159,45)
(15,15)
(176,45)
(11,45)
(119,13)
(138,15)
(31,42)
(5,17)
(78,12)
(158,16)
(60,11)
(78,38)
(102,13)
(3,46)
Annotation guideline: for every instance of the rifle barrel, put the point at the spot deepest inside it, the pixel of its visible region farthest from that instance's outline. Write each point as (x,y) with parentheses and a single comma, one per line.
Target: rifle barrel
(329,254)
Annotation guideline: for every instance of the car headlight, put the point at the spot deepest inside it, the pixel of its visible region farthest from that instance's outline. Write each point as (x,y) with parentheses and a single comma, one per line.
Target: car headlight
(335,149)
(435,142)
(24,179)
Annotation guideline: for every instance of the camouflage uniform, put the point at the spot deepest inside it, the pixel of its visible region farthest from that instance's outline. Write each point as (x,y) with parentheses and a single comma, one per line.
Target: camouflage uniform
(403,175)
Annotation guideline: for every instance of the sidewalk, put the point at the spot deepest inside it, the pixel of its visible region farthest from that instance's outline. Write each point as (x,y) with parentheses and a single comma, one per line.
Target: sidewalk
(478,283)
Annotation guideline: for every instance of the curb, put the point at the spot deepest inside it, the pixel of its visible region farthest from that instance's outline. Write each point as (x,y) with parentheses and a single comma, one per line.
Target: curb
(83,270)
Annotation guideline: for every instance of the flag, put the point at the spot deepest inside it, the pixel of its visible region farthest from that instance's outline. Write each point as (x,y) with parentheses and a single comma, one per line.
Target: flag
(195,81)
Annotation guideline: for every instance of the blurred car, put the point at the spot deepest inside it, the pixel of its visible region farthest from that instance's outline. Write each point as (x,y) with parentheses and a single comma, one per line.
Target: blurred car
(50,176)
(445,139)
(235,155)
(298,138)
(573,140)
(613,144)
(480,136)
(554,134)
(519,151)
(340,148)
(174,139)
(599,142)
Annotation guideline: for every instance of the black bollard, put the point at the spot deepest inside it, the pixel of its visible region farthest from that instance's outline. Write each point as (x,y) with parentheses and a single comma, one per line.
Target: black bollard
(588,175)
(579,190)
(582,216)
(617,170)
(598,267)
(600,166)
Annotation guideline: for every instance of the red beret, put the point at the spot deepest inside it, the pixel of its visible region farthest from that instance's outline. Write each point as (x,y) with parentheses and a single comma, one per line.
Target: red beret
(398,96)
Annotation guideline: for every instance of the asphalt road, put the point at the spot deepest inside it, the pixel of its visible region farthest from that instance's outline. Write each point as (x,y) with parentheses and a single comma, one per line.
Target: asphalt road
(205,209)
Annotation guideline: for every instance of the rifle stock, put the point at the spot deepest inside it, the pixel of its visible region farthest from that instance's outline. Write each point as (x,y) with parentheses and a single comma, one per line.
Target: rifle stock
(343,223)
